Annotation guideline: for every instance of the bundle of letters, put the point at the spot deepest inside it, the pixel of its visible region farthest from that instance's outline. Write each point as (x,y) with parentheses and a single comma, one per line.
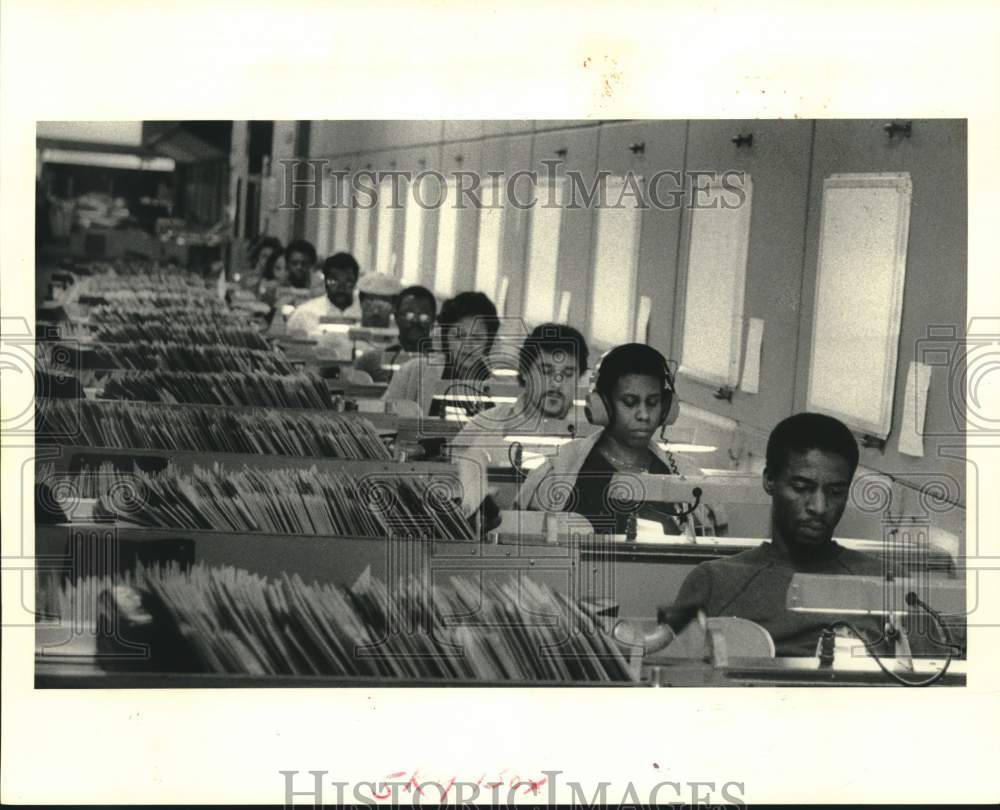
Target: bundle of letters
(138,278)
(179,357)
(157,298)
(226,388)
(131,265)
(239,623)
(175,315)
(124,425)
(243,337)
(298,501)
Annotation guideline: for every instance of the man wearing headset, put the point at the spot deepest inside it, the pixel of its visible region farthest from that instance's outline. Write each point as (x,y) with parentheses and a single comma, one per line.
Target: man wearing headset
(632,397)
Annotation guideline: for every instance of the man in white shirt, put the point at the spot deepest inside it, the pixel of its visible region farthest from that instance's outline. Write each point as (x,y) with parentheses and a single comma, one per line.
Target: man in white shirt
(550,362)
(340,273)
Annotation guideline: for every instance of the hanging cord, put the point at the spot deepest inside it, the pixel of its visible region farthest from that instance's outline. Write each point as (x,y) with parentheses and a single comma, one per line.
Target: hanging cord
(911,599)
(671,463)
(515,454)
(681,516)
(915,601)
(468,405)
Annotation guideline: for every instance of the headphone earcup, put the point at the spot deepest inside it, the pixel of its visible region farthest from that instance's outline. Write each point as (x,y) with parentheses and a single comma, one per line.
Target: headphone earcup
(596,409)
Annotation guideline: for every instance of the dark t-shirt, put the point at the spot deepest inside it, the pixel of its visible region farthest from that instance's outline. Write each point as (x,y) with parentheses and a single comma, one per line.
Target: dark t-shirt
(608,514)
(754,585)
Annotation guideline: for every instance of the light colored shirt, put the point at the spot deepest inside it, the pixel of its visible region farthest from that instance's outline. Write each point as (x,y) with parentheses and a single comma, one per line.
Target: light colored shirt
(416,380)
(382,363)
(480,445)
(306,317)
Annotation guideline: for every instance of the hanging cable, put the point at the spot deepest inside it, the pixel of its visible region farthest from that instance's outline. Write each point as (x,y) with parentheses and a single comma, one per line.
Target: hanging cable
(869,647)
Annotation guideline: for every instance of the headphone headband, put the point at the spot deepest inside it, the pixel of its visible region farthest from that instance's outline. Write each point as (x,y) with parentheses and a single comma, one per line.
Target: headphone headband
(599,409)
(668,373)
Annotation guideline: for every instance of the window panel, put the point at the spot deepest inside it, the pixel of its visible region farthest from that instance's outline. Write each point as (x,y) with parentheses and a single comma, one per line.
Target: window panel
(444,273)
(362,237)
(719,238)
(543,254)
(413,238)
(491,219)
(616,262)
(385,228)
(860,274)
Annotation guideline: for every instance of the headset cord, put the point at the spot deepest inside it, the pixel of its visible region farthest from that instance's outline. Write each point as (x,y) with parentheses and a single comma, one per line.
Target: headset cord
(671,463)
(470,405)
(869,647)
(687,515)
(515,454)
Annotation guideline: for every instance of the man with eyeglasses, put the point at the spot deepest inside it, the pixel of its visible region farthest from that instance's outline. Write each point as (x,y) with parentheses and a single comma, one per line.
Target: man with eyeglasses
(468,324)
(340,274)
(414,315)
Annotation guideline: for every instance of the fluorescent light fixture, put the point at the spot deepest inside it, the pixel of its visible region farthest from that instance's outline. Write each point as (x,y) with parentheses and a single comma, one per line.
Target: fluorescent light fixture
(335,328)
(504,372)
(473,395)
(687,448)
(538,441)
(107,160)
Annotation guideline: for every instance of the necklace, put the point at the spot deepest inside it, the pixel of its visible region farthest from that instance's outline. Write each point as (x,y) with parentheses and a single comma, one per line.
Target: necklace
(622,464)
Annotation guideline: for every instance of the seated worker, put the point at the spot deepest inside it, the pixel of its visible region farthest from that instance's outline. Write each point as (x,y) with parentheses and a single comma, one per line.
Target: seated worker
(550,361)
(340,273)
(468,325)
(414,315)
(260,255)
(273,278)
(289,280)
(632,396)
(811,459)
(300,264)
(377,294)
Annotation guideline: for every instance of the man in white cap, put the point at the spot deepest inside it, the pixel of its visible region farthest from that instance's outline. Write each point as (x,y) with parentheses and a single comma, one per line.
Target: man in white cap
(377,294)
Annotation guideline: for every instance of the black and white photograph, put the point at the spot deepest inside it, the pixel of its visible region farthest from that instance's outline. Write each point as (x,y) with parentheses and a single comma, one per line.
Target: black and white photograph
(500,402)
(333,422)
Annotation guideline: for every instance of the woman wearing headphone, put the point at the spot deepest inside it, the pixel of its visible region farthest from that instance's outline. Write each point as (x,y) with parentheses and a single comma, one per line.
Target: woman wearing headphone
(632,397)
